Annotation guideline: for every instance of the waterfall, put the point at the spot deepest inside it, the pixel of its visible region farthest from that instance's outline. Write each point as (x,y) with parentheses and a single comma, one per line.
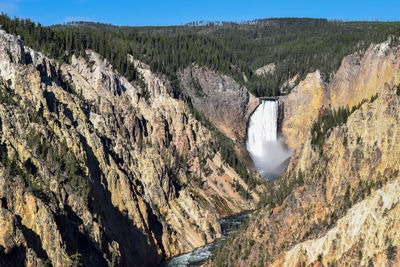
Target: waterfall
(266,149)
(262,127)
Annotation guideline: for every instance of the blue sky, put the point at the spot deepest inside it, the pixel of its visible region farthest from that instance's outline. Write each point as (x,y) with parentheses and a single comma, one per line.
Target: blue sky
(174,12)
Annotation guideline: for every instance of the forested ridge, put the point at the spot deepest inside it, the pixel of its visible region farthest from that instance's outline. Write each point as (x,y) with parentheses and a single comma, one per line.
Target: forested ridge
(295,45)
(75,157)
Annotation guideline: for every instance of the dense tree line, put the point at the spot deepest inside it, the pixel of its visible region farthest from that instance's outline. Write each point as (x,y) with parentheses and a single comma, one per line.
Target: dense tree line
(61,44)
(295,45)
(298,46)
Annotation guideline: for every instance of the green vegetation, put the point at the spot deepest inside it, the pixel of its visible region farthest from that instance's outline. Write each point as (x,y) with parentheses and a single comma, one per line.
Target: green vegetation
(197,87)
(329,119)
(175,163)
(283,187)
(203,167)
(7,96)
(76,260)
(226,147)
(62,160)
(58,158)
(296,46)
(397,90)
(242,191)
(220,170)
(391,250)
(220,256)
(353,194)
(165,54)
(56,43)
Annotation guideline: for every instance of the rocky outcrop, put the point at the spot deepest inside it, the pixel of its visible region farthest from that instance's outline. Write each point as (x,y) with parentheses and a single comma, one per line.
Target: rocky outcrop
(311,224)
(363,74)
(222,100)
(367,234)
(360,76)
(357,157)
(289,84)
(267,69)
(97,170)
(337,204)
(301,108)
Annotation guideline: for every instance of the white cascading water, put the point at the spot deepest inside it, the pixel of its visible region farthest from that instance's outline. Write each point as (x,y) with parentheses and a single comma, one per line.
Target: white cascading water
(266,149)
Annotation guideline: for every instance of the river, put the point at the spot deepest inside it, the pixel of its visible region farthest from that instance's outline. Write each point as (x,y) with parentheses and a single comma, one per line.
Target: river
(200,255)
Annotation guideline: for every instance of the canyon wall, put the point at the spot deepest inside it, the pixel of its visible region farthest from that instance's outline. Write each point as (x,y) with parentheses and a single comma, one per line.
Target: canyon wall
(337,203)
(97,170)
(360,76)
(222,100)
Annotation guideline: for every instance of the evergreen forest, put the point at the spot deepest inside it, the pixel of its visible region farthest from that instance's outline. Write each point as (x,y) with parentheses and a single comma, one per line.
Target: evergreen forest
(294,45)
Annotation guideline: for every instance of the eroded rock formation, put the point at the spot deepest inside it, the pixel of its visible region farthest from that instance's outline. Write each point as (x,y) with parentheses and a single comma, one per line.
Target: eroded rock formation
(336,205)
(223,101)
(97,170)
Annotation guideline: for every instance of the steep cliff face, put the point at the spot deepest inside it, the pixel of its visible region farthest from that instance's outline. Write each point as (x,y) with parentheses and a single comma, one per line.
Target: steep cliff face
(367,234)
(337,204)
(360,76)
(98,170)
(301,108)
(222,100)
(358,159)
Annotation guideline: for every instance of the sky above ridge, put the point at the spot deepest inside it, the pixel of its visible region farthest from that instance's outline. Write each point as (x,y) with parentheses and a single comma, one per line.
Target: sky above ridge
(174,12)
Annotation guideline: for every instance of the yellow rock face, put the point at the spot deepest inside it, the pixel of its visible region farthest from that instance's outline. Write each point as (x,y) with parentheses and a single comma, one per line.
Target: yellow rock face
(301,109)
(362,75)
(360,237)
(339,207)
(363,151)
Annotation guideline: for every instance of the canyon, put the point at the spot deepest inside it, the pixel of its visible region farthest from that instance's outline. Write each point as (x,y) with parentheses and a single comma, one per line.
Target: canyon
(108,164)
(336,204)
(98,170)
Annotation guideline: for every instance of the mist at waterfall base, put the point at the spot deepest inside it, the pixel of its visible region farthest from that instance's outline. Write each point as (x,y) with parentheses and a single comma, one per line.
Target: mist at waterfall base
(267,150)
